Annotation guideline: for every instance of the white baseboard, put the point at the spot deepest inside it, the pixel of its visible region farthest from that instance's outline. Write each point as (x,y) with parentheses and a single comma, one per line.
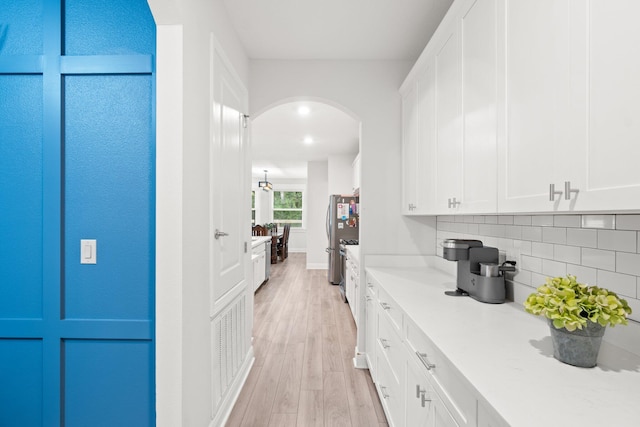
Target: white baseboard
(317,266)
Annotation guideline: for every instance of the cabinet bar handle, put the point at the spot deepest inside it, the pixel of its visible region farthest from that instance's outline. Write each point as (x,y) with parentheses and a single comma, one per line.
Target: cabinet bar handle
(553,192)
(385,306)
(425,362)
(384,342)
(424,400)
(419,391)
(383,390)
(568,190)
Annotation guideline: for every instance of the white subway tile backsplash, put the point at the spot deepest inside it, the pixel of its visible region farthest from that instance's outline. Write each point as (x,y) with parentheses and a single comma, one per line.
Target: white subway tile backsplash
(622,284)
(505,219)
(553,268)
(599,221)
(530,263)
(583,274)
(628,263)
(542,250)
(472,228)
(628,222)
(582,237)
(571,254)
(491,219)
(554,235)
(522,220)
(538,279)
(597,249)
(533,234)
(513,231)
(598,258)
(542,220)
(624,241)
(573,221)
(523,276)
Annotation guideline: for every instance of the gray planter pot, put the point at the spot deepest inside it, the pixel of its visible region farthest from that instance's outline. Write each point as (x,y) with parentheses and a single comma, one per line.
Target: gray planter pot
(577,348)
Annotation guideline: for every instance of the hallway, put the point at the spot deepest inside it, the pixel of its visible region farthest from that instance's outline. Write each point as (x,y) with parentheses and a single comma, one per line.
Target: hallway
(304,340)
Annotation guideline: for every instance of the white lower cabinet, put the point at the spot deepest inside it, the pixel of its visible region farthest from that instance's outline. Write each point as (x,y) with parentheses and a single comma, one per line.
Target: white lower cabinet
(352,282)
(424,406)
(416,383)
(259,259)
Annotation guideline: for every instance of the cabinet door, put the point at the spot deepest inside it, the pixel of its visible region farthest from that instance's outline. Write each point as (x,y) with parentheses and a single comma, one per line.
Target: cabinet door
(409,150)
(539,132)
(610,152)
(479,103)
(426,155)
(448,126)
(370,332)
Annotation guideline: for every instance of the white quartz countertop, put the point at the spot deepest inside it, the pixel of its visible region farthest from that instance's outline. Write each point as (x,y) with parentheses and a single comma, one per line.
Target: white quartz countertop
(506,354)
(354,251)
(259,240)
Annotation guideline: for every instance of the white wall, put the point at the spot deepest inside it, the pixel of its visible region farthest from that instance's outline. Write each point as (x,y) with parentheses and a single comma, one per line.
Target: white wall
(341,174)
(318,200)
(183,351)
(368,90)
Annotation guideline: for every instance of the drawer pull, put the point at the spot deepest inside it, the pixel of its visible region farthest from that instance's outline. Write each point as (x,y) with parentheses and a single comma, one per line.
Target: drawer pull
(425,362)
(368,298)
(419,391)
(385,306)
(383,390)
(384,344)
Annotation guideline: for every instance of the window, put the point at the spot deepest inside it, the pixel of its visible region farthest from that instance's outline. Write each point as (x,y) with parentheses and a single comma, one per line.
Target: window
(287,208)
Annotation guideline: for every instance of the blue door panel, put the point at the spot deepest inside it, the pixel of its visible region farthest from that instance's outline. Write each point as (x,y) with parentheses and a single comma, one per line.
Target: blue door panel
(77,161)
(21,196)
(108,191)
(107,383)
(21,382)
(21,30)
(114,27)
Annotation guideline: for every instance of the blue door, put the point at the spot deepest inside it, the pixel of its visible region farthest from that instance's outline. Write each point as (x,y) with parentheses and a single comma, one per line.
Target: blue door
(77,161)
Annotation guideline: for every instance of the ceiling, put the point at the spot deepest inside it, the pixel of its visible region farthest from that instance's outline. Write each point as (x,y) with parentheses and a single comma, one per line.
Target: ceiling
(278,138)
(335,29)
(331,30)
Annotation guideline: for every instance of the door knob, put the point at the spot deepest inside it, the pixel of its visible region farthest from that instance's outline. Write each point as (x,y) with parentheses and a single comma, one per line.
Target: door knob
(219,234)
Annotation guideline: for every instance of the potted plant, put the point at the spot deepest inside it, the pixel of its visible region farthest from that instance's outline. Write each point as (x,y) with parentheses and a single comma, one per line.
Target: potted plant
(577,314)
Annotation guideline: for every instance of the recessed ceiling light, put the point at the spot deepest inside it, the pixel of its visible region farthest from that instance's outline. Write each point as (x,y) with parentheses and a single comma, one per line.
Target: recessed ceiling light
(308,140)
(303,110)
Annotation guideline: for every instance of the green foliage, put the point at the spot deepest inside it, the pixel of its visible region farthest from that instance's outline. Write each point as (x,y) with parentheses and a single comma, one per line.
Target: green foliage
(570,304)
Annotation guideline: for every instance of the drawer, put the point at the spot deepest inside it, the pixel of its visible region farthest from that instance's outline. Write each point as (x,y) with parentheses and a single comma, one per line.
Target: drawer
(371,286)
(258,250)
(390,345)
(390,308)
(446,380)
(391,392)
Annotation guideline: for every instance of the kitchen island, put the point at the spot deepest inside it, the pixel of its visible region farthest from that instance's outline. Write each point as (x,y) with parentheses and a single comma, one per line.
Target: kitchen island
(504,357)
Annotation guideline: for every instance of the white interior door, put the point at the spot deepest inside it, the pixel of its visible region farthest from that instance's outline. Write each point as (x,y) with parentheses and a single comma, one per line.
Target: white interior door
(229,201)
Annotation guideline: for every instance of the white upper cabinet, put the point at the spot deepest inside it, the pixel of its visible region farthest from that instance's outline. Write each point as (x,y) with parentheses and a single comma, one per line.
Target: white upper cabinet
(540,107)
(535,109)
(571,126)
(410,150)
(611,149)
(479,107)
(448,121)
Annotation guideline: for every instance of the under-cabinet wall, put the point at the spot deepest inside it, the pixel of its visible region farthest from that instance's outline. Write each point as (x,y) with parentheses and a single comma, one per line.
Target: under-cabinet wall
(601,250)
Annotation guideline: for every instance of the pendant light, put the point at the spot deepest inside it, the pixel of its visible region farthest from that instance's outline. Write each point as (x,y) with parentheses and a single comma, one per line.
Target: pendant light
(265,185)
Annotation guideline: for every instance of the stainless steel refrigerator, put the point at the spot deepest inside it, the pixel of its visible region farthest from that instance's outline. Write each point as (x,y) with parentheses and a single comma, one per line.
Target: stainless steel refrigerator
(343,222)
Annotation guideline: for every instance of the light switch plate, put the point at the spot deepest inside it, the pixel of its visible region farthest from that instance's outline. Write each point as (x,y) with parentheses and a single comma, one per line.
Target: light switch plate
(88,251)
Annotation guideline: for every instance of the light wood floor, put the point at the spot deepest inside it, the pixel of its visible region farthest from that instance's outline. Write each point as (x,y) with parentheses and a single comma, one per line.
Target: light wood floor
(304,341)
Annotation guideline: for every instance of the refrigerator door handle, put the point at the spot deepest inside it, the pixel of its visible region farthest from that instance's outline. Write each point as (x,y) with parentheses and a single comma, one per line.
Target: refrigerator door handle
(327,221)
